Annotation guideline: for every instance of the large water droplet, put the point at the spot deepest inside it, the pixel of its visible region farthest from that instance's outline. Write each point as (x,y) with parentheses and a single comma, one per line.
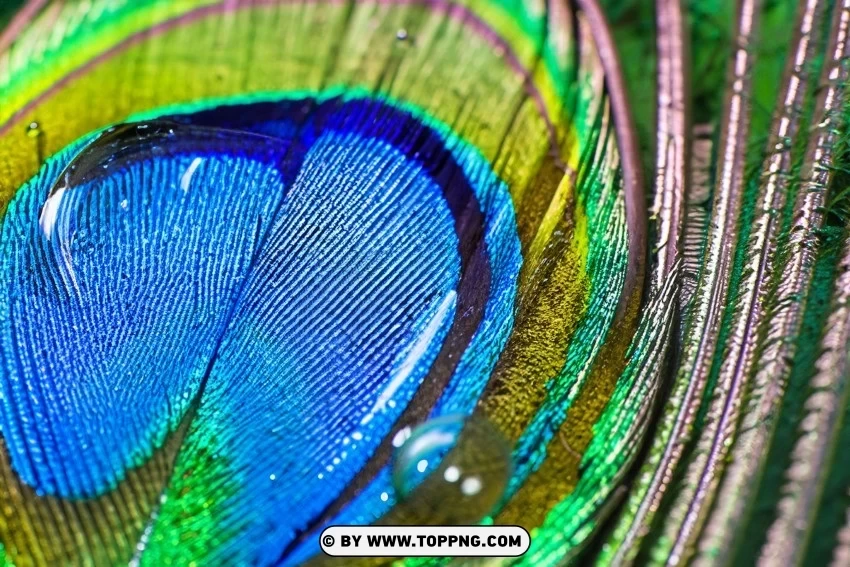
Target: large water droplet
(120,145)
(151,142)
(450,470)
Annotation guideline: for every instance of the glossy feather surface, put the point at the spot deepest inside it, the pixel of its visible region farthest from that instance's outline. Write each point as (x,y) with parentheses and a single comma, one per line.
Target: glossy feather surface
(254,251)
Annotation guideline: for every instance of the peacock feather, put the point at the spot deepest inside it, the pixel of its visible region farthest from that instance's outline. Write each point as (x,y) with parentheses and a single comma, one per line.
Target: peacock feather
(581,266)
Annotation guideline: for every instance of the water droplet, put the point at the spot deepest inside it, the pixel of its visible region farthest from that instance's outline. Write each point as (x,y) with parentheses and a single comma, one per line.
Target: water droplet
(126,143)
(33,129)
(401,34)
(123,145)
(450,470)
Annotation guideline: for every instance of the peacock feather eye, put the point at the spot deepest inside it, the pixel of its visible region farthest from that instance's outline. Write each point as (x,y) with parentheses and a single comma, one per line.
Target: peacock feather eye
(575,267)
(274,266)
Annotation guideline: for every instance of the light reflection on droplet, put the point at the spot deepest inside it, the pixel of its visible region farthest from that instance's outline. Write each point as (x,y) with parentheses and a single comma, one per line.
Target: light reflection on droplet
(452,474)
(471,486)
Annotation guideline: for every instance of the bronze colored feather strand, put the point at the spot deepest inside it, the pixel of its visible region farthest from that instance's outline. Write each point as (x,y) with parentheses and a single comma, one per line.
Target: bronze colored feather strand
(678,418)
(753,403)
(813,451)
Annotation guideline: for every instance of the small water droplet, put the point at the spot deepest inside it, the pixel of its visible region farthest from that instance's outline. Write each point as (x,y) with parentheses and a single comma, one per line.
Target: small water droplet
(401,34)
(400,437)
(33,129)
(450,470)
